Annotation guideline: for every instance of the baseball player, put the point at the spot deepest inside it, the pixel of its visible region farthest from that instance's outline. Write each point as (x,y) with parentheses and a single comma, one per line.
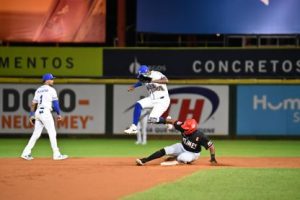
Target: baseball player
(45,98)
(190,147)
(141,136)
(158,99)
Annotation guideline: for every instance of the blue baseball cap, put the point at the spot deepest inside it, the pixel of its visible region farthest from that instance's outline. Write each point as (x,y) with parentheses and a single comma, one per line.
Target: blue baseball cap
(143,70)
(47,77)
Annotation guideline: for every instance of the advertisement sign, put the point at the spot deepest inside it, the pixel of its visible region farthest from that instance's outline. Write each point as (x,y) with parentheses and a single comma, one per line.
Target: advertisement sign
(53,20)
(207,104)
(215,16)
(205,63)
(62,61)
(82,106)
(268,110)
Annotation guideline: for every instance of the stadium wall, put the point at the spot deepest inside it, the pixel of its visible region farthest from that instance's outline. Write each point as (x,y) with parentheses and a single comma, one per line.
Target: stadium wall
(98,103)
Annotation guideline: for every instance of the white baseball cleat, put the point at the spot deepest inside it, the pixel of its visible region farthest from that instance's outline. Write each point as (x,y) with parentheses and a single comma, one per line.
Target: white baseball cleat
(60,157)
(27,157)
(139,162)
(131,130)
(169,163)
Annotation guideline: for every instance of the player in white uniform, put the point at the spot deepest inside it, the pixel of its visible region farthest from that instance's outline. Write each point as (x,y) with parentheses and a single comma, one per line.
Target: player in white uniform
(141,136)
(158,99)
(45,98)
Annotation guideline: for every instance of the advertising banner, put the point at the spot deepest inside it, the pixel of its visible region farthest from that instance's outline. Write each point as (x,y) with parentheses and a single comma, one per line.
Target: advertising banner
(268,110)
(205,63)
(207,104)
(53,20)
(62,61)
(82,106)
(215,16)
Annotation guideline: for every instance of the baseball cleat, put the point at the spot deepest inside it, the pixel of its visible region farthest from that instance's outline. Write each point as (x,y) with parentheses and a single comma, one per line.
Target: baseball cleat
(131,130)
(60,157)
(139,162)
(27,157)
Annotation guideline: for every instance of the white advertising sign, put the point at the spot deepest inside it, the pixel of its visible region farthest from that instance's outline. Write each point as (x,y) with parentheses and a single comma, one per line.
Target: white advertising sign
(209,105)
(82,106)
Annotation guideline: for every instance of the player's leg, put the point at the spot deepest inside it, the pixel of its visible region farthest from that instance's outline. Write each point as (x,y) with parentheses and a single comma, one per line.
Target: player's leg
(174,149)
(139,134)
(187,157)
(144,124)
(173,152)
(159,107)
(48,121)
(38,128)
(155,155)
(143,103)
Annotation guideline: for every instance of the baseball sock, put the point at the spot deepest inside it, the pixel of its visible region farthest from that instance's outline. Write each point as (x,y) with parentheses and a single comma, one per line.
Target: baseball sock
(137,113)
(155,155)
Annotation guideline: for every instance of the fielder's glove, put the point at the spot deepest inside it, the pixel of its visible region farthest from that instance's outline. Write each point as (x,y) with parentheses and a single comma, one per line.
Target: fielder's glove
(32,120)
(144,79)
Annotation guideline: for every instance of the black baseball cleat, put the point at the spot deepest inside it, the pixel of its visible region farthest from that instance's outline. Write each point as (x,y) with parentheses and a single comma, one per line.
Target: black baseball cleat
(139,162)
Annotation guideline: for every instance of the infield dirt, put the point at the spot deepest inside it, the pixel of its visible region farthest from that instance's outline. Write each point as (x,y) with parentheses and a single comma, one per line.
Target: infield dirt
(104,178)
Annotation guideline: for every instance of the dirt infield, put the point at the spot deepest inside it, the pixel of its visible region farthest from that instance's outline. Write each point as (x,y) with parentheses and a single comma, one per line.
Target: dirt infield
(103,178)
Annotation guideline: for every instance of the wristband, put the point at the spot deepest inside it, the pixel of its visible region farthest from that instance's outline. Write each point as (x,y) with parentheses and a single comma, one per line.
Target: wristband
(31,114)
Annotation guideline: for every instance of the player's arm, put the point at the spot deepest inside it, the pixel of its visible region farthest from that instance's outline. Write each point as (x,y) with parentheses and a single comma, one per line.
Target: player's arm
(162,80)
(208,144)
(33,108)
(132,87)
(56,108)
(212,151)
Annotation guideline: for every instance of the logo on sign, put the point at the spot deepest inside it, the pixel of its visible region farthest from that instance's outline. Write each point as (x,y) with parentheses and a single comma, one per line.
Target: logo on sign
(135,65)
(192,107)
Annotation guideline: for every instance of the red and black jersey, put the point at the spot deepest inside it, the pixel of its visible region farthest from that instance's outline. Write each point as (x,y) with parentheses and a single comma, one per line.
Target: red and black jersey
(194,141)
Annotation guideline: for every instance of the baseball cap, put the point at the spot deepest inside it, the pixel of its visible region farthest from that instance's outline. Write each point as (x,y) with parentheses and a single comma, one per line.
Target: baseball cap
(143,70)
(47,77)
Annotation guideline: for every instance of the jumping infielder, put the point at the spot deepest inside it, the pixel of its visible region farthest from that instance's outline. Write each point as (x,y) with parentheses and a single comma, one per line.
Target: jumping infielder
(158,98)
(190,147)
(40,116)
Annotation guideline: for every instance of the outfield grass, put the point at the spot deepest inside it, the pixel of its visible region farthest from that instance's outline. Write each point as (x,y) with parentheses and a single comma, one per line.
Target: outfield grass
(127,148)
(229,184)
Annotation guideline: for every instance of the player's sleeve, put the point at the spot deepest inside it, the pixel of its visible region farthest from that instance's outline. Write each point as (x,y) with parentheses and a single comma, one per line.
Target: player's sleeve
(177,126)
(54,95)
(206,142)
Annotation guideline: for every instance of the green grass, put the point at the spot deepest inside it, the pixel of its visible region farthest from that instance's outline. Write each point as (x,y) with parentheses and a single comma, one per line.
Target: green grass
(11,147)
(230,184)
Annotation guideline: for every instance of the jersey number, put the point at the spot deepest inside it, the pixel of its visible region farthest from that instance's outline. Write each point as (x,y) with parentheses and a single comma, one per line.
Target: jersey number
(41,99)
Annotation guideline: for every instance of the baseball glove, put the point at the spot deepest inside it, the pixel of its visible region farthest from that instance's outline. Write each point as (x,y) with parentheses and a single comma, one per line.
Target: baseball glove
(144,79)
(32,120)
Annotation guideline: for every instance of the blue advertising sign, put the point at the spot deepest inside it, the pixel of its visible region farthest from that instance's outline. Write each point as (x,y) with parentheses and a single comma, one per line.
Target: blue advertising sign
(219,16)
(268,110)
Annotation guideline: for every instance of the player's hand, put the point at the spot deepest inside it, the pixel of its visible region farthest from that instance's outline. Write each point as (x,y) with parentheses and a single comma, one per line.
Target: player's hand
(130,89)
(32,120)
(213,162)
(59,118)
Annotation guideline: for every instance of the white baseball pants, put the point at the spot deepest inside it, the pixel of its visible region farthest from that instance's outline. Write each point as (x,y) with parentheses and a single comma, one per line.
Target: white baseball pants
(181,154)
(44,118)
(159,106)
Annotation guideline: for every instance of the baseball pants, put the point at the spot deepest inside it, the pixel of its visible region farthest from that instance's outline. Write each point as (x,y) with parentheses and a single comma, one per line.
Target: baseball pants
(159,106)
(181,154)
(44,118)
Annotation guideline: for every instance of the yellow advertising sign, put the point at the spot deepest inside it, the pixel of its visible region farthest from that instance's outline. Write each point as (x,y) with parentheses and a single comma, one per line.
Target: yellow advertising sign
(61,61)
